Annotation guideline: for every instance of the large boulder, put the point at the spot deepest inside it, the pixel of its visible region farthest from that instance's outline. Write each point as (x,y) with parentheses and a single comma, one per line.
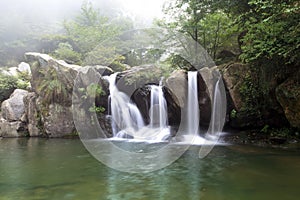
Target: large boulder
(177,84)
(48,71)
(50,111)
(142,98)
(137,77)
(234,77)
(288,95)
(84,100)
(206,86)
(13,108)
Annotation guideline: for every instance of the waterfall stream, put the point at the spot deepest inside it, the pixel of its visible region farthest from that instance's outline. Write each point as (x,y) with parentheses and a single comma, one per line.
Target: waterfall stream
(127,121)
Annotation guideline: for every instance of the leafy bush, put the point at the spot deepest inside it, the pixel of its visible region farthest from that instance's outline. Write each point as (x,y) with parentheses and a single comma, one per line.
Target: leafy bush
(7,85)
(65,52)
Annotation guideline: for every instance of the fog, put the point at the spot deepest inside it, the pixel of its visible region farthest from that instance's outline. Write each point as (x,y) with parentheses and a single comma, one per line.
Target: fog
(20,17)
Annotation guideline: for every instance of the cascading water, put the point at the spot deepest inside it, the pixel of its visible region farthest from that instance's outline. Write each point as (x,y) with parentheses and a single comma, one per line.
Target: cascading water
(127,119)
(158,108)
(125,115)
(192,104)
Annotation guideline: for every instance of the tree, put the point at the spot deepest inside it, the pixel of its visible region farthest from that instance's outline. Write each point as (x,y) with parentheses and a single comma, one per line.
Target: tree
(88,35)
(203,21)
(273,31)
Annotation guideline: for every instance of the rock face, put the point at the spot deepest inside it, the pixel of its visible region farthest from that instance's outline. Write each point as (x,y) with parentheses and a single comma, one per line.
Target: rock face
(206,83)
(288,95)
(137,77)
(58,122)
(54,103)
(234,76)
(13,122)
(33,115)
(84,100)
(177,84)
(142,98)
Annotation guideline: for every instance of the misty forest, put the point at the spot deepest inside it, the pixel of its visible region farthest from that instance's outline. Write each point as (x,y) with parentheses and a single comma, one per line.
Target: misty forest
(161,99)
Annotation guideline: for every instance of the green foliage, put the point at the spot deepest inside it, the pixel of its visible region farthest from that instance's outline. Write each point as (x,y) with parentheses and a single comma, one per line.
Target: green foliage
(88,33)
(233,114)
(65,52)
(92,91)
(265,129)
(52,89)
(273,31)
(150,74)
(7,85)
(284,132)
(204,22)
(251,94)
(97,109)
(23,80)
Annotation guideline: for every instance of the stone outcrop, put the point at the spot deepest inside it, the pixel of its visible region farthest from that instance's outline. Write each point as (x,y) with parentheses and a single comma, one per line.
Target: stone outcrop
(234,77)
(33,115)
(13,108)
(177,84)
(13,118)
(54,103)
(58,121)
(288,95)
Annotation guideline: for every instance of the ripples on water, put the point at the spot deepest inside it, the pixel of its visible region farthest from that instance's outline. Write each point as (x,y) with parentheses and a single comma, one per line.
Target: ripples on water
(63,169)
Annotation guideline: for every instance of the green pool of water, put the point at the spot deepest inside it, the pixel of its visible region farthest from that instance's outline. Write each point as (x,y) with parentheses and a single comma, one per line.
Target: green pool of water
(63,169)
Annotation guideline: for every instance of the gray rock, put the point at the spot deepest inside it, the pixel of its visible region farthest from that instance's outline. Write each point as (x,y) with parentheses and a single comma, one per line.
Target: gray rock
(13,108)
(24,67)
(12,129)
(32,115)
(177,84)
(234,77)
(42,66)
(58,121)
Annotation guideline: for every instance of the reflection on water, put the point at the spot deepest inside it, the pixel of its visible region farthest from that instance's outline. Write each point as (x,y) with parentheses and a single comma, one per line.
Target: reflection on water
(63,169)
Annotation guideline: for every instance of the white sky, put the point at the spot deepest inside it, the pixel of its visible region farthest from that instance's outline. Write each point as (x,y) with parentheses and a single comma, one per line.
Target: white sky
(19,16)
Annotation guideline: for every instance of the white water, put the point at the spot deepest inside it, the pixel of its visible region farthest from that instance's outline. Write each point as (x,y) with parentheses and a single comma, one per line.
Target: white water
(127,121)
(158,108)
(125,115)
(192,104)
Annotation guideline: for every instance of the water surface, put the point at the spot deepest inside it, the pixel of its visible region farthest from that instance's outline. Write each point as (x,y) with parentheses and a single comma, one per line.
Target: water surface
(63,169)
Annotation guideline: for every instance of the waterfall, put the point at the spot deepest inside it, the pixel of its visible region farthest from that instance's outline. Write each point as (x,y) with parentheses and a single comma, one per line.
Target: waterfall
(192,104)
(158,108)
(124,114)
(127,121)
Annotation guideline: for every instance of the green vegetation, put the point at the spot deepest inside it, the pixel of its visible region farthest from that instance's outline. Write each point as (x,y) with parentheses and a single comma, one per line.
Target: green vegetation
(265,34)
(9,83)
(52,89)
